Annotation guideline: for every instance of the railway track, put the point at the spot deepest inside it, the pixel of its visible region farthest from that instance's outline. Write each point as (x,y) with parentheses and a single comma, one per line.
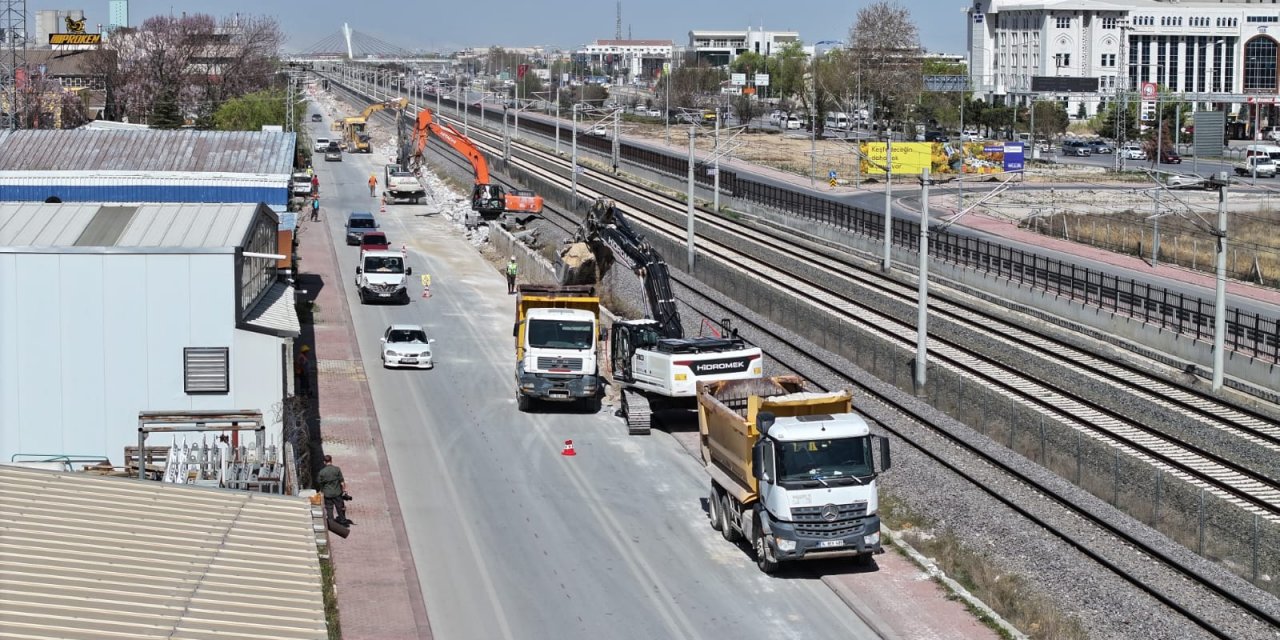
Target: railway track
(1198,467)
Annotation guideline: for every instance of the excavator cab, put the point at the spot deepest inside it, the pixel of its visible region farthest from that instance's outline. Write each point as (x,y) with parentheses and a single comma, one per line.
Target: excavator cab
(488,198)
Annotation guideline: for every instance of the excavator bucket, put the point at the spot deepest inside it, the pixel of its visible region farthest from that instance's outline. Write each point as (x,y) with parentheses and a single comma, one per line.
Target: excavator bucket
(577,264)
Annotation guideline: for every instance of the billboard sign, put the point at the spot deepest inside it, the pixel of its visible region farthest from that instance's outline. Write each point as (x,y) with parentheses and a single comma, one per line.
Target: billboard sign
(1055,84)
(738,79)
(762,79)
(1013,156)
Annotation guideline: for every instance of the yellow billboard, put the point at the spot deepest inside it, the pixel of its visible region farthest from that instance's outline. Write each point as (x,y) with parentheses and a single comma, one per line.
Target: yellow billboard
(940,157)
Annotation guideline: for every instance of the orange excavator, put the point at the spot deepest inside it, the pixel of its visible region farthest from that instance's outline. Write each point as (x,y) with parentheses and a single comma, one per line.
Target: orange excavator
(486,198)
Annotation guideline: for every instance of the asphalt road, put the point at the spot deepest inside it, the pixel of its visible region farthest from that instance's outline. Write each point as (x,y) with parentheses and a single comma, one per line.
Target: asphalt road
(511,539)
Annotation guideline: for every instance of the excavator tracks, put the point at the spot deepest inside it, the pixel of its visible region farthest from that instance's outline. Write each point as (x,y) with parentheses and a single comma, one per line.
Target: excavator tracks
(635,408)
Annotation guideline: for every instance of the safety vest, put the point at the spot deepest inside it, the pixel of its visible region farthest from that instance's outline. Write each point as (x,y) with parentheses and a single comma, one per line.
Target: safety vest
(511,268)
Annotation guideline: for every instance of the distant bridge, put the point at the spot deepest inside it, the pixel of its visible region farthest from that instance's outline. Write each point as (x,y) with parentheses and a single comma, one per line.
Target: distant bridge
(347,44)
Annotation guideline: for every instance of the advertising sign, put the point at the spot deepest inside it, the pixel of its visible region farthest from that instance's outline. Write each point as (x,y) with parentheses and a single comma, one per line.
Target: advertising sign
(75,37)
(762,79)
(738,79)
(944,158)
(1013,156)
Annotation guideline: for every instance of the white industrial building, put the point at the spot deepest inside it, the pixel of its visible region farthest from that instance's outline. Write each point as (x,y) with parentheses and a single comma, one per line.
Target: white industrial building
(1211,53)
(110,310)
(719,48)
(631,59)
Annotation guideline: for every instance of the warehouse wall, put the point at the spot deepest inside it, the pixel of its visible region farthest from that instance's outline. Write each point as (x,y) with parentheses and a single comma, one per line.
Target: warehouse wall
(87,340)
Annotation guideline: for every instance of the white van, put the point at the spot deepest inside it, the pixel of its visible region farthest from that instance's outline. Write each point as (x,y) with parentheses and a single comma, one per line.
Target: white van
(1270,150)
(792,122)
(838,120)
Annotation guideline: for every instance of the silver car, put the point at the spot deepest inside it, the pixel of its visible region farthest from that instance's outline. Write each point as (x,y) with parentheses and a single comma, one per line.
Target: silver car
(407,345)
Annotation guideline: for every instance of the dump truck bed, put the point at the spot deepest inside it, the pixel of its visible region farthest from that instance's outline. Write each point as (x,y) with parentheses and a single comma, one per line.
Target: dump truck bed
(727,413)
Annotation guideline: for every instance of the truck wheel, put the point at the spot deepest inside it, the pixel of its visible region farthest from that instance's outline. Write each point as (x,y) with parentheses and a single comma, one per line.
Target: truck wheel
(762,557)
(523,402)
(726,527)
(713,504)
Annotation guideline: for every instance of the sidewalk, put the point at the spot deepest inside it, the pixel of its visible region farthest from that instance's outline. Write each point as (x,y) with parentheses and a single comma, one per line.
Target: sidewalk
(379,597)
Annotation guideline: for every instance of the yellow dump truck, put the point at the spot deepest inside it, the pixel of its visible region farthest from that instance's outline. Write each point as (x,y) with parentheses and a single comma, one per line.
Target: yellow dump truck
(557,332)
(792,471)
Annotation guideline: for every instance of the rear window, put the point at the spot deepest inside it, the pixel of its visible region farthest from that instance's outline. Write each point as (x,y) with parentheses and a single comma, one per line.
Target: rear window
(374,238)
(361,223)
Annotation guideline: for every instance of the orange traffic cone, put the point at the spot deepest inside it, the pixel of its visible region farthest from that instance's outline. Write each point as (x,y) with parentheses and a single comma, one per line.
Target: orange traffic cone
(383,207)
(426,293)
(568,449)
(404,250)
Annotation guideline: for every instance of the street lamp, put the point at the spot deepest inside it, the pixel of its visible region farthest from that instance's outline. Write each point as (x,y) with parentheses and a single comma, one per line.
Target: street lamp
(887,262)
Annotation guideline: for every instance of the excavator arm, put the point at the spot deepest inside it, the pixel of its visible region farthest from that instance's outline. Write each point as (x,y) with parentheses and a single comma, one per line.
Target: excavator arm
(606,236)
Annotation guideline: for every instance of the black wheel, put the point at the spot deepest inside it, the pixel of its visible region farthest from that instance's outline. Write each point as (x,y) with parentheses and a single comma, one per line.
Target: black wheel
(591,405)
(523,403)
(713,503)
(864,560)
(726,527)
(762,556)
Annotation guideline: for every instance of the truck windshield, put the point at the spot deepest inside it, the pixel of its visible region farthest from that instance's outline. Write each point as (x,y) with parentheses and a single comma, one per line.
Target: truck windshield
(560,334)
(377,264)
(811,459)
(361,223)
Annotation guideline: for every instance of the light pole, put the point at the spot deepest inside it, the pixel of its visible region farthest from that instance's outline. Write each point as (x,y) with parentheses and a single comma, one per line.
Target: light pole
(573,162)
(1220,290)
(922,303)
(689,224)
(557,118)
(887,263)
(715,177)
(813,148)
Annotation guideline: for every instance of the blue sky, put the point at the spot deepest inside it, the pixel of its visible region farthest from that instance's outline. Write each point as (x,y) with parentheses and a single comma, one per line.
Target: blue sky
(563,23)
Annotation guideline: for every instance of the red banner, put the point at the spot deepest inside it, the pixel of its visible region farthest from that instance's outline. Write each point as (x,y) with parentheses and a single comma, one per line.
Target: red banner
(521,70)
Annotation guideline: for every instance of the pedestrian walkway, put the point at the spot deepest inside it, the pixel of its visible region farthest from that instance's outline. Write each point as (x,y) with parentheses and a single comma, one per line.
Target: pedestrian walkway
(379,597)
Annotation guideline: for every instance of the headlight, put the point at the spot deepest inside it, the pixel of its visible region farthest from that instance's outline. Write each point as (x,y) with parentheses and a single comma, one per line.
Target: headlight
(872,539)
(785,545)
(392,353)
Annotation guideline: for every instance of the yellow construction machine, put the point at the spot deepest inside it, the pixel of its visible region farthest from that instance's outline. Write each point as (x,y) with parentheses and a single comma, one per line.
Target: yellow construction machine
(353,128)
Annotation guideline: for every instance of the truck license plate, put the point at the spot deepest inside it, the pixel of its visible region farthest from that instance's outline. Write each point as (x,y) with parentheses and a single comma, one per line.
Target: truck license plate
(409,360)
(831,543)
(384,295)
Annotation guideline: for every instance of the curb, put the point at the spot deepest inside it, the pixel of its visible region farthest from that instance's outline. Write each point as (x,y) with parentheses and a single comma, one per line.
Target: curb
(931,568)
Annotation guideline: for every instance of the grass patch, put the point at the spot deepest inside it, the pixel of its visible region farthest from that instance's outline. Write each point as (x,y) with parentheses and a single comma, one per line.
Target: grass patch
(1010,595)
(330,599)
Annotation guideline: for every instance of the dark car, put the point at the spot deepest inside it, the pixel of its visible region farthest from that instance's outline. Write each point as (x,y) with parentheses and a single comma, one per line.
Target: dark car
(1169,156)
(935,136)
(357,224)
(315,117)
(1075,148)
(374,241)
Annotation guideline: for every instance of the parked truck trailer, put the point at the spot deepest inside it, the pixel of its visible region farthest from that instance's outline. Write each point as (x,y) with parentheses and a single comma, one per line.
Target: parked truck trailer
(792,471)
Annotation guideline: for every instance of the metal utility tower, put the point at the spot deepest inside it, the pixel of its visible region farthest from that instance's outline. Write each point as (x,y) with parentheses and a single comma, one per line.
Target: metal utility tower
(617,27)
(13,31)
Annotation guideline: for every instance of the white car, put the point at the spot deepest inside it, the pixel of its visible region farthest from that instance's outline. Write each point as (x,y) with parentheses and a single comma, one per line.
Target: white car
(598,130)
(321,145)
(653,113)
(1133,152)
(407,345)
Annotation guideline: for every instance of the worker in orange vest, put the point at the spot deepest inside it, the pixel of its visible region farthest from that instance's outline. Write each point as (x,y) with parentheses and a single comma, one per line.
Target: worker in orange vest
(373,185)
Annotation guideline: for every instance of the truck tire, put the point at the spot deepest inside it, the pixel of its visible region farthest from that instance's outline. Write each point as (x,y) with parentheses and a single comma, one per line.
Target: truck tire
(759,546)
(713,507)
(523,403)
(726,527)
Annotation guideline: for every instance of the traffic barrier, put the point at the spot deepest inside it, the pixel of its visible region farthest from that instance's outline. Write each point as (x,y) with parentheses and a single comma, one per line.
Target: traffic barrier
(568,449)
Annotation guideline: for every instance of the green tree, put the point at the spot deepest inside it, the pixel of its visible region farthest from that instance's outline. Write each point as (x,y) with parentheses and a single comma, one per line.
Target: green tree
(885,44)
(1108,124)
(786,71)
(252,111)
(1051,118)
(749,62)
(165,112)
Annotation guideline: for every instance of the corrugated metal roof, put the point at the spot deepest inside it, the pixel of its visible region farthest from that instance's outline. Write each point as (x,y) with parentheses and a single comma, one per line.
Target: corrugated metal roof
(93,557)
(275,313)
(185,226)
(152,150)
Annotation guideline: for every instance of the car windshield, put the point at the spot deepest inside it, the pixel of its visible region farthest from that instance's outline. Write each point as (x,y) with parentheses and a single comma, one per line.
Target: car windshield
(407,335)
(560,334)
(380,264)
(361,223)
(812,459)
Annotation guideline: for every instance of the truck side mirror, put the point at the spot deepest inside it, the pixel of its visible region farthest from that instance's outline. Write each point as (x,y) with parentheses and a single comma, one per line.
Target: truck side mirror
(764,421)
(885,460)
(604,333)
(359,270)
(757,463)
(408,271)
(515,330)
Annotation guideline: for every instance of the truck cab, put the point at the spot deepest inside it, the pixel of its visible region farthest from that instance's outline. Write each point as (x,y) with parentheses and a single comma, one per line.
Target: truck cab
(1260,165)
(381,276)
(557,331)
(402,184)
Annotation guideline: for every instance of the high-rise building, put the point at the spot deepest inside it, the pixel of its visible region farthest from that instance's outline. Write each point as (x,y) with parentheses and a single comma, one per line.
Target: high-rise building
(117,14)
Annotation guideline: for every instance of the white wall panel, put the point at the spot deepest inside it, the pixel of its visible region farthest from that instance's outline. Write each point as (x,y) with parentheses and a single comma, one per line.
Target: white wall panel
(39,356)
(82,350)
(168,311)
(126,358)
(9,343)
(256,380)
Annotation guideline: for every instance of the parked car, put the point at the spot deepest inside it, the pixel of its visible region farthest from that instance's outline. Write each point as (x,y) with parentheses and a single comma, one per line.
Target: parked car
(321,145)
(598,130)
(970,135)
(1075,148)
(357,224)
(1169,156)
(1187,182)
(315,117)
(935,136)
(652,113)
(374,241)
(1133,152)
(333,154)
(300,185)
(792,122)
(407,345)
(1100,147)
